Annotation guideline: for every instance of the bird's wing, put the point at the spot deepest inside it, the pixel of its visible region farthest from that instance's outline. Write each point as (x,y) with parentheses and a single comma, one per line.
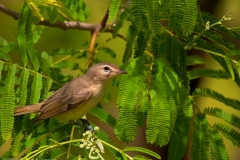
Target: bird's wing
(69,97)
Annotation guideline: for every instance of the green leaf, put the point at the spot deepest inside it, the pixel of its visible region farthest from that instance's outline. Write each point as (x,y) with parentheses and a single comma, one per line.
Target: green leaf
(139,12)
(113,9)
(218,149)
(1,67)
(121,19)
(158,45)
(29,43)
(200,138)
(207,92)
(4,55)
(21,33)
(238,68)
(131,34)
(109,51)
(202,72)
(189,17)
(8,104)
(153,15)
(227,60)
(141,44)
(154,116)
(17,135)
(176,15)
(36,89)
(229,133)
(230,118)
(194,60)
(179,137)
(103,116)
(142,150)
(67,64)
(23,87)
(52,14)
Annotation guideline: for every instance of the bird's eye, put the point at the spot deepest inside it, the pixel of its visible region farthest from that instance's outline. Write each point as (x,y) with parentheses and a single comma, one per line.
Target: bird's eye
(106,69)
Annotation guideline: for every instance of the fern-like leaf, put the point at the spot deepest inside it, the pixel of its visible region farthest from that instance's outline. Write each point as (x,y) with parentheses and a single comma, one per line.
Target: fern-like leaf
(194,60)
(218,149)
(173,51)
(29,42)
(1,67)
(227,60)
(120,21)
(176,15)
(158,44)
(36,89)
(229,133)
(154,117)
(7,104)
(113,9)
(179,138)
(153,15)
(17,135)
(131,34)
(103,116)
(23,87)
(201,72)
(130,87)
(141,44)
(189,17)
(230,118)
(207,92)
(139,12)
(142,150)
(21,33)
(4,51)
(200,138)
(52,14)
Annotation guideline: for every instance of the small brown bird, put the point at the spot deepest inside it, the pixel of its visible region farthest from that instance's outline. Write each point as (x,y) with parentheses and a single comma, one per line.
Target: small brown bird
(77,97)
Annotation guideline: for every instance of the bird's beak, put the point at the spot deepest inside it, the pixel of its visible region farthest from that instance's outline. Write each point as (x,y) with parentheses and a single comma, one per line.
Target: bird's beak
(121,72)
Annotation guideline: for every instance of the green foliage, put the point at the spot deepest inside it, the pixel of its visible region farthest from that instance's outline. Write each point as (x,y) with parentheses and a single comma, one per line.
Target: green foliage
(202,72)
(113,9)
(189,17)
(155,93)
(218,149)
(207,92)
(131,34)
(7,104)
(153,18)
(143,150)
(200,138)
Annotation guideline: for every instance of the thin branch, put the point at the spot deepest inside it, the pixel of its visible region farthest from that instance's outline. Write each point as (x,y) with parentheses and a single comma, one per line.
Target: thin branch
(62,25)
(91,48)
(11,13)
(101,25)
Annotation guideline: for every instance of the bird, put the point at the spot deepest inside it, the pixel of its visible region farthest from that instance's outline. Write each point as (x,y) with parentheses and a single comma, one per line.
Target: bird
(77,97)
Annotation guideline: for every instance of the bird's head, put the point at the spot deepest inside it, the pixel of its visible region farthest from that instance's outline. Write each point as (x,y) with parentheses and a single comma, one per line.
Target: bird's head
(104,71)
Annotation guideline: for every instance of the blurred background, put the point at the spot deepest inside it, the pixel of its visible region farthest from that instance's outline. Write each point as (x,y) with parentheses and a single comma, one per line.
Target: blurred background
(55,38)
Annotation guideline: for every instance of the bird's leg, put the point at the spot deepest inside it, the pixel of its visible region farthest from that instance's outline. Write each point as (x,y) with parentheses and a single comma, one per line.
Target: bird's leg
(84,123)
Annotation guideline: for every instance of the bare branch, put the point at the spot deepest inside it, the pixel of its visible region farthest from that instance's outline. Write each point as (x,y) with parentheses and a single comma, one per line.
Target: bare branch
(11,13)
(102,25)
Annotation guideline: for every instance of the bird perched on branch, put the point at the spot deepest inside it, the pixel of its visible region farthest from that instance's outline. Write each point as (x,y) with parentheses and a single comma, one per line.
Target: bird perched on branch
(77,97)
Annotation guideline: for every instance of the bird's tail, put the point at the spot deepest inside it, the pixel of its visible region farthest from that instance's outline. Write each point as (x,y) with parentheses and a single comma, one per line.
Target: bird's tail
(27,109)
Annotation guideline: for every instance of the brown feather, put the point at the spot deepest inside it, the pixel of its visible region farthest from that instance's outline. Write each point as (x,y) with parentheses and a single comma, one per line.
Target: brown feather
(35,108)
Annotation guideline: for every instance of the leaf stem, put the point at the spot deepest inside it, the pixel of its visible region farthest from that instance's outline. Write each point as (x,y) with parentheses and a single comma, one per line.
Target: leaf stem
(71,137)
(215,53)
(117,149)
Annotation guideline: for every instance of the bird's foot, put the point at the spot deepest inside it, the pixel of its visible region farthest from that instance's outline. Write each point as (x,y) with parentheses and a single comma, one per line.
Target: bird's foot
(85,124)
